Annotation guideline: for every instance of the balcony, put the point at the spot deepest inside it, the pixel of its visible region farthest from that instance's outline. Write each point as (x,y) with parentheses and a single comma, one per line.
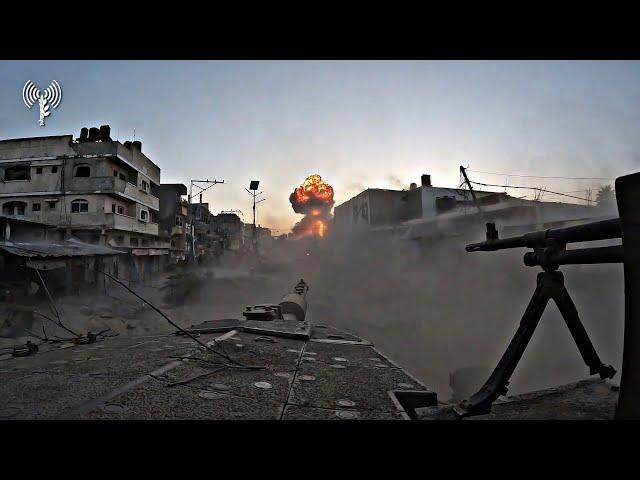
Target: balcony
(110,221)
(17,186)
(112,185)
(178,230)
(134,157)
(123,222)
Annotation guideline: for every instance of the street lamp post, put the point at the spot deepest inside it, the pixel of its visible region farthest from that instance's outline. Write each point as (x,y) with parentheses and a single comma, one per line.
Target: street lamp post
(253,187)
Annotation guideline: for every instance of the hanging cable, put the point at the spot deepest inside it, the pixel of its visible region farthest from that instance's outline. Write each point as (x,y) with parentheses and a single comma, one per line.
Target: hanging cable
(530,188)
(171,322)
(53,305)
(540,176)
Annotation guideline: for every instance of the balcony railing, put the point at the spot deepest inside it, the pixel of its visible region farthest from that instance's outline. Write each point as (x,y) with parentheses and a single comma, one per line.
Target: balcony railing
(131,224)
(113,185)
(104,220)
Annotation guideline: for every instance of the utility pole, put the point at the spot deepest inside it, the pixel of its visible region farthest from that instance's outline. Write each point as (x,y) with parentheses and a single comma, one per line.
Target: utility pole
(195,183)
(253,187)
(473,194)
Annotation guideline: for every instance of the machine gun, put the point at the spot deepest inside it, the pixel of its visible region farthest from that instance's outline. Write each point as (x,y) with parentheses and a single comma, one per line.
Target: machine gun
(550,252)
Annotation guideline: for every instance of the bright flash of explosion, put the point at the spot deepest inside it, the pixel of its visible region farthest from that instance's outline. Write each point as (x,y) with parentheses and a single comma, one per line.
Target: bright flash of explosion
(314,199)
(314,188)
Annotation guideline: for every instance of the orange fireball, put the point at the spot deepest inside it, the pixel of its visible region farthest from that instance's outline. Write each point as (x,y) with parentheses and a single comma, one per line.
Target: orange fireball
(314,199)
(314,189)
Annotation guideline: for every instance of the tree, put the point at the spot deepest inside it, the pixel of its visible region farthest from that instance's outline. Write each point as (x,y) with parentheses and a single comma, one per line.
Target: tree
(606,195)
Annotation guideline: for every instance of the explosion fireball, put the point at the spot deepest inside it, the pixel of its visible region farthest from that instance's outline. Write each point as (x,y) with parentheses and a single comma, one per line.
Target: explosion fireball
(313,199)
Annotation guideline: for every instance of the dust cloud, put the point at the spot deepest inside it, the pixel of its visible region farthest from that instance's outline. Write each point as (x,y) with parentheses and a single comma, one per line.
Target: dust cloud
(431,307)
(435,309)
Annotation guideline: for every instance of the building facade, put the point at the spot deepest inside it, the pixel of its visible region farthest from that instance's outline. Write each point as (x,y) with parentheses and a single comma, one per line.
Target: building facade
(377,207)
(428,212)
(229,227)
(206,241)
(92,187)
(173,219)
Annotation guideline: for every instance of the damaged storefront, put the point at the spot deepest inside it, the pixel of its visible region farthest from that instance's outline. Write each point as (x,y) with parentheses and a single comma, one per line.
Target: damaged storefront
(69,265)
(30,271)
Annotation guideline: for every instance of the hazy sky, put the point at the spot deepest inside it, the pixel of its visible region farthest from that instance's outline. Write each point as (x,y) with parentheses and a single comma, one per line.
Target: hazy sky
(358,124)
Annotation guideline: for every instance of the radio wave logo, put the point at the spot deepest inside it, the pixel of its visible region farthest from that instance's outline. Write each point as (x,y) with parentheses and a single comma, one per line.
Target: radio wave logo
(51,97)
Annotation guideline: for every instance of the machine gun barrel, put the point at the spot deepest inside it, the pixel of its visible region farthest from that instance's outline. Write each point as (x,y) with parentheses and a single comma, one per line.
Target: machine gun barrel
(602,230)
(580,256)
(549,252)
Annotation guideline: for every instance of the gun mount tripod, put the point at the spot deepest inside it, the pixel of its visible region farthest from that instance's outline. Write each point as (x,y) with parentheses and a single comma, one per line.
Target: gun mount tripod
(549,253)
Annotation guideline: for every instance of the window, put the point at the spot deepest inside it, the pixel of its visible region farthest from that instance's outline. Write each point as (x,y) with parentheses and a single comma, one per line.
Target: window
(82,170)
(145,242)
(16,173)
(54,169)
(133,241)
(123,177)
(179,221)
(144,215)
(51,204)
(113,208)
(36,207)
(115,173)
(14,208)
(121,210)
(144,185)
(39,170)
(79,206)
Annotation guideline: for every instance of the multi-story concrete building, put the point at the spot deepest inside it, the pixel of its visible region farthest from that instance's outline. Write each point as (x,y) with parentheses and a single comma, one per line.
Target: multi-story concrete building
(426,211)
(207,242)
(229,227)
(173,219)
(377,207)
(93,188)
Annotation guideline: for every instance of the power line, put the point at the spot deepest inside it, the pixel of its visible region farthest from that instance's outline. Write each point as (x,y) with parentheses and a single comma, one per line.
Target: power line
(540,176)
(531,188)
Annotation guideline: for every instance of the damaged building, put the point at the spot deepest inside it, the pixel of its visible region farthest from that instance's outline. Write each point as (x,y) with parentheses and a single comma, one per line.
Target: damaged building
(206,242)
(427,211)
(40,268)
(173,219)
(92,188)
(71,264)
(230,229)
(375,207)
